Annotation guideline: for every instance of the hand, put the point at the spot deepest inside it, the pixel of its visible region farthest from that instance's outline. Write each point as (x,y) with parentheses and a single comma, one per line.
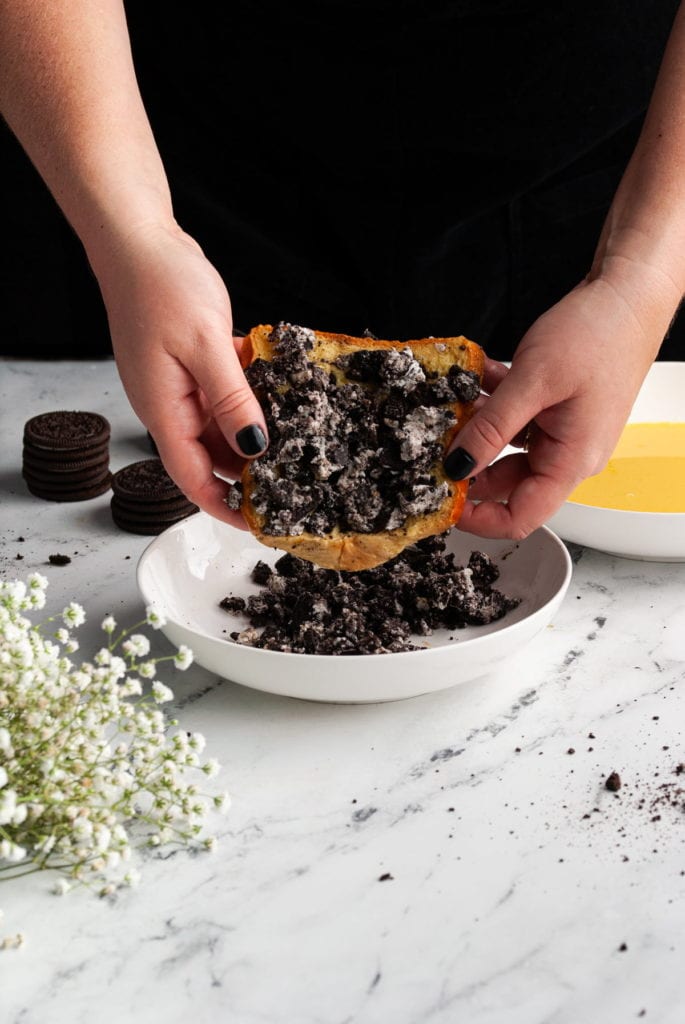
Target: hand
(171,326)
(573,379)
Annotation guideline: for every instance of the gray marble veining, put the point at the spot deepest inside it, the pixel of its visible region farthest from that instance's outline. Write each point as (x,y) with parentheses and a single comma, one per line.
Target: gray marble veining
(437,860)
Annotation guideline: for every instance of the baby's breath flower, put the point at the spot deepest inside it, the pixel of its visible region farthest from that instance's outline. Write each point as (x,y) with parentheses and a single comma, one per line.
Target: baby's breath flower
(11,852)
(154,617)
(20,815)
(37,582)
(161,693)
(183,658)
(117,667)
(8,805)
(61,887)
(73,615)
(137,646)
(222,802)
(197,742)
(131,687)
(89,768)
(37,599)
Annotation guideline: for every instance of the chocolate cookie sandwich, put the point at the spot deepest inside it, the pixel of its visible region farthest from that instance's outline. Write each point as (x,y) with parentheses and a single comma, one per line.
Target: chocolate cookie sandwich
(146,500)
(66,455)
(358,429)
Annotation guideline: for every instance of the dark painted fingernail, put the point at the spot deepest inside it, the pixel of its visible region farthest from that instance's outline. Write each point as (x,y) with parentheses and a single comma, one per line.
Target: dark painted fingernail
(459,464)
(251,440)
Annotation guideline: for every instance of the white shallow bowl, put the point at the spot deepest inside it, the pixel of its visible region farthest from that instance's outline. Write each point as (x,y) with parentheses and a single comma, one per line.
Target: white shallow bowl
(653,536)
(190,567)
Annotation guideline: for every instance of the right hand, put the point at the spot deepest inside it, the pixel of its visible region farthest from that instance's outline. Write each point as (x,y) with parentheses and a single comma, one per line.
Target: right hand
(172,333)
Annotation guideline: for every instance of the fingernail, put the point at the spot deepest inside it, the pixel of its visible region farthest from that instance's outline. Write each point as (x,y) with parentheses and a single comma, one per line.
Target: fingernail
(251,440)
(459,464)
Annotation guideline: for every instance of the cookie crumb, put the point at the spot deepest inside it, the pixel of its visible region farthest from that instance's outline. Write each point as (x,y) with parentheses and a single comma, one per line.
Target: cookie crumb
(386,877)
(304,609)
(59,559)
(233,604)
(613,782)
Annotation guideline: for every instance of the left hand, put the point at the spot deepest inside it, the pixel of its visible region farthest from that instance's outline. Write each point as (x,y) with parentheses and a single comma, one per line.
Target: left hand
(573,379)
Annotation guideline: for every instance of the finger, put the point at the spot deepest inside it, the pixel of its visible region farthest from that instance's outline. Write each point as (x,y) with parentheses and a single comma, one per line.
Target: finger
(518,493)
(224,460)
(493,374)
(533,500)
(498,481)
(177,425)
(215,365)
(515,401)
(189,465)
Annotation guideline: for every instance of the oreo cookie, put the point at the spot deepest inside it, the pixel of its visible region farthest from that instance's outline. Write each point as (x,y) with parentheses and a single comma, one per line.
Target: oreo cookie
(65,477)
(65,462)
(79,492)
(146,500)
(66,431)
(66,455)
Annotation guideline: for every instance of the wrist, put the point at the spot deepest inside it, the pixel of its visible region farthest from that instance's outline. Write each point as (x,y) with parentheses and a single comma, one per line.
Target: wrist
(646,274)
(108,227)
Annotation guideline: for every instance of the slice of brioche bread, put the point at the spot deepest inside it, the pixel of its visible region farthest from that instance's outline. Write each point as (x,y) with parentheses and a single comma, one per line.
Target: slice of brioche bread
(354,551)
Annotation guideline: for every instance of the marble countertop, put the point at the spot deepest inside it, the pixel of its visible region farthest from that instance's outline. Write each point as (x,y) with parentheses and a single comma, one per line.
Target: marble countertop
(521,891)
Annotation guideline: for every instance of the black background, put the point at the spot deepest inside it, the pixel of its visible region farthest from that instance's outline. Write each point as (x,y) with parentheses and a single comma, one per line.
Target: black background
(451,177)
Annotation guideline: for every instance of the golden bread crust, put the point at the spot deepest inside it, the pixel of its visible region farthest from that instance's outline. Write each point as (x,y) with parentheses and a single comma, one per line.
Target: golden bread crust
(350,551)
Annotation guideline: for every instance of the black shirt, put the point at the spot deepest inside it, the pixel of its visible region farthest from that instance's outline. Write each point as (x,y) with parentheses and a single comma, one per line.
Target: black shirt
(414,167)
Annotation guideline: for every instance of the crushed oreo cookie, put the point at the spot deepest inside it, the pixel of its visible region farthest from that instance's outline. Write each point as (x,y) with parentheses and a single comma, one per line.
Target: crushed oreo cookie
(235,496)
(352,446)
(59,559)
(304,609)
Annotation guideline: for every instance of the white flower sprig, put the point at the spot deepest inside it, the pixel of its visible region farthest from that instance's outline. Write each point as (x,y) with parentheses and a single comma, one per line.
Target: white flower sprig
(89,765)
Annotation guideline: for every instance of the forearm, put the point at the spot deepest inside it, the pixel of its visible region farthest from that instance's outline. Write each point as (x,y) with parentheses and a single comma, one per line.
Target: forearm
(69,93)
(641,251)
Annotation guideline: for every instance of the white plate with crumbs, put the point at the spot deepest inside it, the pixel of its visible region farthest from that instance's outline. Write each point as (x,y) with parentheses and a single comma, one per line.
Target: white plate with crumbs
(187,570)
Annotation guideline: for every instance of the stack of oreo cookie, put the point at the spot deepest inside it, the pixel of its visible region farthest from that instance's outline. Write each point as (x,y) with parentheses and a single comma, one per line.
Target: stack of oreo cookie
(66,455)
(146,500)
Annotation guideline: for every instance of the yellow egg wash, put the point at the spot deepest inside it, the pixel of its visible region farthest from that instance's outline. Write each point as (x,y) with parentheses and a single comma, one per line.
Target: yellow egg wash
(646,472)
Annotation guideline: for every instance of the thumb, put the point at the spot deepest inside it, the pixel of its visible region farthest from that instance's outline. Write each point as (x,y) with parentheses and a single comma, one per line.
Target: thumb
(238,414)
(501,417)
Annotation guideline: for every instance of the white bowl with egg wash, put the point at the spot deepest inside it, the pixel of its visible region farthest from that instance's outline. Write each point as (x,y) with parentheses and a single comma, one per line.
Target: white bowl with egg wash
(635,507)
(187,570)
